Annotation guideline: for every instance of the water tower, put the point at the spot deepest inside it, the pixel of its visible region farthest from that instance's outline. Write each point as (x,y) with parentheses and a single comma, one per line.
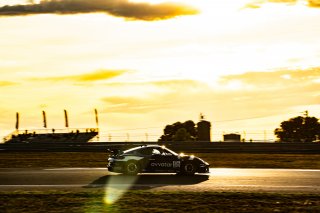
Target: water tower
(203,130)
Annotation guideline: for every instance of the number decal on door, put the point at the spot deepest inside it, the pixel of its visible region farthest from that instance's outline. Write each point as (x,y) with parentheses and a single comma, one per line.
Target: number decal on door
(176,164)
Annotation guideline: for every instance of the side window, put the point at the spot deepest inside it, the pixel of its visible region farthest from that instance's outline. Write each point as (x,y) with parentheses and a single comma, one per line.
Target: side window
(146,151)
(131,152)
(156,152)
(167,153)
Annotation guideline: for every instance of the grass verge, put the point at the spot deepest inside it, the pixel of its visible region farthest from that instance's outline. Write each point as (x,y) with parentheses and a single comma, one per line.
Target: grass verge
(146,201)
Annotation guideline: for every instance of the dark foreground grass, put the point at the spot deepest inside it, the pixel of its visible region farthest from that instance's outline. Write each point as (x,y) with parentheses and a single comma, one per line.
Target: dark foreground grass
(216,160)
(148,201)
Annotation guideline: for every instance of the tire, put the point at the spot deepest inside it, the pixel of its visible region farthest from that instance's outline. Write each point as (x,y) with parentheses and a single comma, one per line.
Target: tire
(189,168)
(132,168)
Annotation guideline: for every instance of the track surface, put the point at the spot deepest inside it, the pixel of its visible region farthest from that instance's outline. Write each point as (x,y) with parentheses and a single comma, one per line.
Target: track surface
(221,179)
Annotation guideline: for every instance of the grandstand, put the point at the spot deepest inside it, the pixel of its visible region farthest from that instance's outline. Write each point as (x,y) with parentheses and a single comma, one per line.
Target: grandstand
(79,135)
(56,136)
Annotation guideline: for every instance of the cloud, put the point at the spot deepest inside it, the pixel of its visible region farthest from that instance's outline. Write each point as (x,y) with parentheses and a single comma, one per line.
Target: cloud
(314,3)
(151,96)
(282,1)
(258,3)
(86,77)
(138,105)
(119,8)
(162,84)
(273,93)
(128,104)
(176,84)
(281,78)
(7,83)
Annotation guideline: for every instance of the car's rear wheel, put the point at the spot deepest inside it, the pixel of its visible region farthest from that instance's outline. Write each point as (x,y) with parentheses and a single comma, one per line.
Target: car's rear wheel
(132,168)
(188,168)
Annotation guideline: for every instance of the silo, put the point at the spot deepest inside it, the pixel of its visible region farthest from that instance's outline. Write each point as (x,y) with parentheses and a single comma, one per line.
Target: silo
(203,131)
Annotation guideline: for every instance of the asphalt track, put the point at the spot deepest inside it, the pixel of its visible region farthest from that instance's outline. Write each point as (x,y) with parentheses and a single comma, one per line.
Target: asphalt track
(219,179)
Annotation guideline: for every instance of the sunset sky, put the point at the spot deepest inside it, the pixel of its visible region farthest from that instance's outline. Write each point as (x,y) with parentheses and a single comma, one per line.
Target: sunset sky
(246,65)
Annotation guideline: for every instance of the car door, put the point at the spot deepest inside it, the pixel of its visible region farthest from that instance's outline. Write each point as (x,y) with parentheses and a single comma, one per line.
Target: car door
(171,160)
(163,161)
(146,153)
(156,163)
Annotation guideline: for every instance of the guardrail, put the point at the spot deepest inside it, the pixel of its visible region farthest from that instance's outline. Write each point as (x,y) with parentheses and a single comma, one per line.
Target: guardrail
(189,147)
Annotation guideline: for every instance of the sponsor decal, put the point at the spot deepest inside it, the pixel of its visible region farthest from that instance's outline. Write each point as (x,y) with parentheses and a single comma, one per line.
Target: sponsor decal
(176,164)
(161,164)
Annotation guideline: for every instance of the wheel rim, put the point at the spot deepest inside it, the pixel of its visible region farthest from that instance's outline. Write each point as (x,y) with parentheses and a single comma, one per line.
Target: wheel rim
(189,168)
(132,168)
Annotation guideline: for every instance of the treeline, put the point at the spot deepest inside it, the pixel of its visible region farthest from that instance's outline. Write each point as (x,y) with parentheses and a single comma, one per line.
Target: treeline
(186,131)
(296,129)
(299,129)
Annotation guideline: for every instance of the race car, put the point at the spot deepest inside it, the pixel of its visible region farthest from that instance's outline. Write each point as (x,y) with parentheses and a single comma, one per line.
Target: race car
(155,158)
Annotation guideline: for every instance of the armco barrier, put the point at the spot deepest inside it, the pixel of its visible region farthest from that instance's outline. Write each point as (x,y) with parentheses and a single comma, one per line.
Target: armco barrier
(188,147)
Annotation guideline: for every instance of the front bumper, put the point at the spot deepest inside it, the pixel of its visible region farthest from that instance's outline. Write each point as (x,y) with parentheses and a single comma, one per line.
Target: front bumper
(204,168)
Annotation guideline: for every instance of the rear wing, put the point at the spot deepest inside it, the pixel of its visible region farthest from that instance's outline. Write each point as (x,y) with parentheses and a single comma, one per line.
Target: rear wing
(115,151)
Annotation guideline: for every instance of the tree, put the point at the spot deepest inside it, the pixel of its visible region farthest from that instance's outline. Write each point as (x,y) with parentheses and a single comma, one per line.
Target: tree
(190,126)
(299,129)
(182,135)
(179,132)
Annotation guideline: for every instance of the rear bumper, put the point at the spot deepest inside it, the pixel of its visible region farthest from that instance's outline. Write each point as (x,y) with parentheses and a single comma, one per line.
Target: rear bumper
(115,167)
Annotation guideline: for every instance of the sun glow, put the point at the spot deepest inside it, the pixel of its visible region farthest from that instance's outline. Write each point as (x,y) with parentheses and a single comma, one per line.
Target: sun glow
(171,66)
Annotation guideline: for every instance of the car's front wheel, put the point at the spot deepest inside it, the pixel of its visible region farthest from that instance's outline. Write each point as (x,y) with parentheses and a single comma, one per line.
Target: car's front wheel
(132,168)
(188,168)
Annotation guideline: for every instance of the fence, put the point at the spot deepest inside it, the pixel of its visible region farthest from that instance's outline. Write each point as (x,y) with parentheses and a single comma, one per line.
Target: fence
(130,136)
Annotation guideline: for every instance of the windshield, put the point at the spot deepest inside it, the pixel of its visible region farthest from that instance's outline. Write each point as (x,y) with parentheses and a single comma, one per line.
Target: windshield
(131,150)
(172,152)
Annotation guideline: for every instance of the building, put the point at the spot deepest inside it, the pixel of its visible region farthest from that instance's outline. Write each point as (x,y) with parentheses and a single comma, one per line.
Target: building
(232,137)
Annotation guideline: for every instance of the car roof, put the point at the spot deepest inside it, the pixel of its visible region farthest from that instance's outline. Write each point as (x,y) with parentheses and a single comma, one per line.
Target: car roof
(144,146)
(140,147)
(149,146)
